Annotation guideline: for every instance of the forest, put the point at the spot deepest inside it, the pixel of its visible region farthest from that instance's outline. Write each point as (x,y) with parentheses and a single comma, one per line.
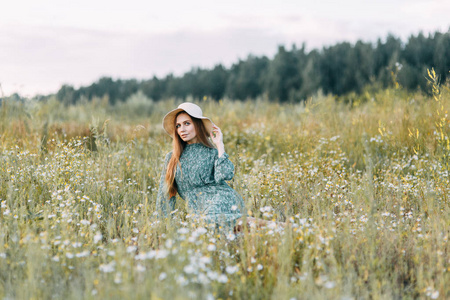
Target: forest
(292,75)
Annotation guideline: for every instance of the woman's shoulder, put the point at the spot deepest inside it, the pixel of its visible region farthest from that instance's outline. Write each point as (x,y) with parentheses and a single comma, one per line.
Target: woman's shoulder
(168,156)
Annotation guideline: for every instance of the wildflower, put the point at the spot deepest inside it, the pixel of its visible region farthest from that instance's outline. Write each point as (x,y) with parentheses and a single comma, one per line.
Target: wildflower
(265,209)
(181,280)
(434,295)
(204,260)
(183,230)
(211,247)
(231,269)
(199,231)
(259,267)
(161,254)
(222,278)
(107,268)
(212,275)
(231,236)
(190,269)
(202,279)
(169,244)
(118,278)
(162,276)
(131,249)
(97,237)
(82,254)
(140,268)
(151,254)
(140,256)
(431,293)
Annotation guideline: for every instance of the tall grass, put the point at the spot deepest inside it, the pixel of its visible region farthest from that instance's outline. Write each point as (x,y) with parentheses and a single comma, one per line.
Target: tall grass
(363,186)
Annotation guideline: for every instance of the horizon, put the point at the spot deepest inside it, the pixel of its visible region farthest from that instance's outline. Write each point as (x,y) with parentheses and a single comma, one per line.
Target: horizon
(43,51)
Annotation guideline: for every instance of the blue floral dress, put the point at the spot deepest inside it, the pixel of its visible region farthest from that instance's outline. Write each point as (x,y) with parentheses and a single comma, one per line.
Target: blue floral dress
(201,182)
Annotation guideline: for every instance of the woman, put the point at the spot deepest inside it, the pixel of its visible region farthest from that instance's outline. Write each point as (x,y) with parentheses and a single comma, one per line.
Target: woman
(197,169)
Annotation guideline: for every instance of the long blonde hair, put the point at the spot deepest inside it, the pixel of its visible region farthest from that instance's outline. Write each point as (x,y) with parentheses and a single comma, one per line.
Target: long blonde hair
(178,146)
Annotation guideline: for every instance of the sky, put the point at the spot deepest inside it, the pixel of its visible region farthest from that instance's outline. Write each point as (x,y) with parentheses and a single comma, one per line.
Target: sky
(47,43)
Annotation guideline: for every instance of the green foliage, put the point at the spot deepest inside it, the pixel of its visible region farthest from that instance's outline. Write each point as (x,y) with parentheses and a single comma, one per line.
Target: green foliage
(292,75)
(247,78)
(283,74)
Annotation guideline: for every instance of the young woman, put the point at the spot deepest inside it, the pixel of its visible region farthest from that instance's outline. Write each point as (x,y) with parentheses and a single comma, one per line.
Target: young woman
(197,168)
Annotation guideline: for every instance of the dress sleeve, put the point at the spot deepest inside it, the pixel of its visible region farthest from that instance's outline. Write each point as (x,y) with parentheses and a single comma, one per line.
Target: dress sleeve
(162,203)
(223,168)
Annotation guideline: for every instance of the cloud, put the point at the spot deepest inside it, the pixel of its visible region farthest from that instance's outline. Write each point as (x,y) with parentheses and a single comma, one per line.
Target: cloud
(41,59)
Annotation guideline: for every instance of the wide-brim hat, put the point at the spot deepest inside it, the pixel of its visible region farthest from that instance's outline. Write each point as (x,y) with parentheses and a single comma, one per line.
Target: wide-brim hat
(191,109)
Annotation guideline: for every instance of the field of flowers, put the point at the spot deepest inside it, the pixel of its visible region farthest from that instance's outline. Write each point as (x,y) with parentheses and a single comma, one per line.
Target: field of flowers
(362,183)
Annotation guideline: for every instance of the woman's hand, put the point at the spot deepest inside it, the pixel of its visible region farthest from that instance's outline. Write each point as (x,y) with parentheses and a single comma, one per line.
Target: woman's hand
(217,139)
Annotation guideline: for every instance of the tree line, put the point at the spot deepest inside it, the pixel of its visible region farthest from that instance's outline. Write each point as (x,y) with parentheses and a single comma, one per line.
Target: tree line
(293,74)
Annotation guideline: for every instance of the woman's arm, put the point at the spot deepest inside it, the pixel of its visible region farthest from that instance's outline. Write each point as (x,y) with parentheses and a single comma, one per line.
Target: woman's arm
(217,139)
(162,203)
(223,167)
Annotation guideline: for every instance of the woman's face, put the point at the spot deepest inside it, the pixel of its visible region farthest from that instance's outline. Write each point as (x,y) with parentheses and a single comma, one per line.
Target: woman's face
(185,128)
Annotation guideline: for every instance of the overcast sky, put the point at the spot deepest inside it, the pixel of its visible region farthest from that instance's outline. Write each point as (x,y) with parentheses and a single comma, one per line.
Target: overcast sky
(47,43)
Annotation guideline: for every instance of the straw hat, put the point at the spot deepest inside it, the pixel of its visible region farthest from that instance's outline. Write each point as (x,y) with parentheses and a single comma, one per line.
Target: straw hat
(191,109)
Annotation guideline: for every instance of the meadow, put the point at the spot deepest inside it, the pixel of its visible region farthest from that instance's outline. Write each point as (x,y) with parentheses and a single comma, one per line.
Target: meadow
(361,181)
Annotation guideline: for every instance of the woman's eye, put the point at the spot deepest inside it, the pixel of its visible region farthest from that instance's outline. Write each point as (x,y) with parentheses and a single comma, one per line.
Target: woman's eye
(187,123)
(177,126)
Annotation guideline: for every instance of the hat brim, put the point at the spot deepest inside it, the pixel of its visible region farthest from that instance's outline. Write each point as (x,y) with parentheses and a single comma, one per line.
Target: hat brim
(169,121)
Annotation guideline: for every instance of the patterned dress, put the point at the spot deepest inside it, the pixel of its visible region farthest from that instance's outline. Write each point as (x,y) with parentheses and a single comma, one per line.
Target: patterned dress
(201,182)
